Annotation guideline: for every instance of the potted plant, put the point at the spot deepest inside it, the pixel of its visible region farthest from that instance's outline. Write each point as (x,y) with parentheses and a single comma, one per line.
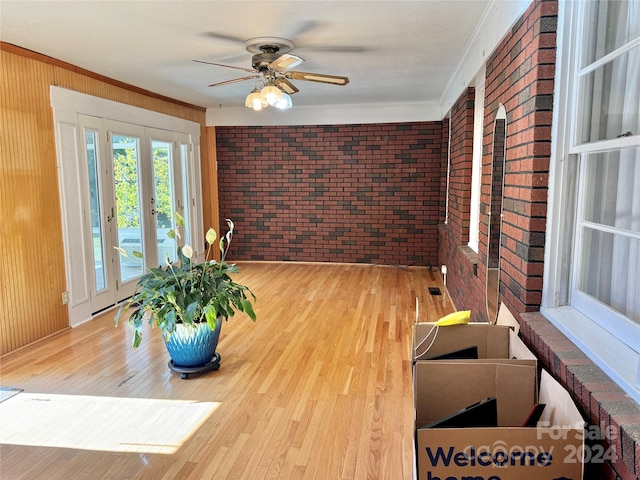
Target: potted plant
(187,301)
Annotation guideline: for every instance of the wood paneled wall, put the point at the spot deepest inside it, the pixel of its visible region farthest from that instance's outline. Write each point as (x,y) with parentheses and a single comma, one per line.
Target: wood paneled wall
(210,208)
(32,276)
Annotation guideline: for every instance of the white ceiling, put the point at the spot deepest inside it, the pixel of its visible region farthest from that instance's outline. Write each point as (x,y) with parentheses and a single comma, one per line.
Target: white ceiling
(394,52)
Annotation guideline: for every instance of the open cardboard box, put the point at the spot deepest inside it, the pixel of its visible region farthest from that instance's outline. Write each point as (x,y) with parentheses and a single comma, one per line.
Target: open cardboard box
(550,451)
(499,340)
(508,372)
(446,386)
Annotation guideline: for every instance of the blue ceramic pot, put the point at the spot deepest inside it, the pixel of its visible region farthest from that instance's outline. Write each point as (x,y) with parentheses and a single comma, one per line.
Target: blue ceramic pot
(194,346)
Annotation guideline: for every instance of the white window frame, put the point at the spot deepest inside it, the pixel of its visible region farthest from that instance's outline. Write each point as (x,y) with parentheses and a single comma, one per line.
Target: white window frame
(446,197)
(617,358)
(476,167)
(67,105)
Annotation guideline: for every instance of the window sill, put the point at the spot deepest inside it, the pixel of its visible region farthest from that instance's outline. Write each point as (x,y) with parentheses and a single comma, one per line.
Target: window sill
(597,393)
(471,256)
(615,358)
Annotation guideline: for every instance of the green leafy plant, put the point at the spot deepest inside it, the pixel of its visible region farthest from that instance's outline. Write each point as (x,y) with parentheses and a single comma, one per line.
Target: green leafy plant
(187,292)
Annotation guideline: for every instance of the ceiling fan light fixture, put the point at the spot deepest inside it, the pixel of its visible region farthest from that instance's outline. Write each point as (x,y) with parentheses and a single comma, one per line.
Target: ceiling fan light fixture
(271,94)
(254,100)
(284,103)
(271,64)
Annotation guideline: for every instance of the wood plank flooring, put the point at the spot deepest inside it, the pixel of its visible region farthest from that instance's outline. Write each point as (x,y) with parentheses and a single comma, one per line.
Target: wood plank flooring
(318,388)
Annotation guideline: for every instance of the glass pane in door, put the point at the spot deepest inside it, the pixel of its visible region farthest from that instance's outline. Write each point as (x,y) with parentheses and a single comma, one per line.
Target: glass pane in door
(163,199)
(126,182)
(91,145)
(186,210)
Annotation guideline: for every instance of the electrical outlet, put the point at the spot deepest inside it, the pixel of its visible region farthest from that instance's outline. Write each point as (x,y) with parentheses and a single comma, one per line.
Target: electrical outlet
(65,298)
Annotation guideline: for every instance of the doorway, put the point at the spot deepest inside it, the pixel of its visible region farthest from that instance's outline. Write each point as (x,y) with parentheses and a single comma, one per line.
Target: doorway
(90,131)
(495,213)
(135,185)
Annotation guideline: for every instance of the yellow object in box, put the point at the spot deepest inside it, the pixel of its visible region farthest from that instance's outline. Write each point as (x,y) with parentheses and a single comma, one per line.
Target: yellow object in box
(455,318)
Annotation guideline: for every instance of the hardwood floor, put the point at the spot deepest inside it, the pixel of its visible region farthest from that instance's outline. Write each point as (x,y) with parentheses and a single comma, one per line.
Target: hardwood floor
(318,388)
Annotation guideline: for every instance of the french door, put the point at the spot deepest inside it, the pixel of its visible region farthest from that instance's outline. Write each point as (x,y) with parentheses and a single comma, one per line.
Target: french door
(135,185)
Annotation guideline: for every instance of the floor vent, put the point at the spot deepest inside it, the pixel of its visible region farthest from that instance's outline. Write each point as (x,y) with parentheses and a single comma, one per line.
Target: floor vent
(434,291)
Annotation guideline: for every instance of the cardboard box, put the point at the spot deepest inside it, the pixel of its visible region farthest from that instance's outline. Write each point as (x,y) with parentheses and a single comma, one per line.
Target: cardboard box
(499,340)
(551,451)
(506,452)
(444,386)
(492,340)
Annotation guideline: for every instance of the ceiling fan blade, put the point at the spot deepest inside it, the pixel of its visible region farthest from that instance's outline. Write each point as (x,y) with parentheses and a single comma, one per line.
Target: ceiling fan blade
(227,82)
(333,49)
(286,86)
(223,36)
(250,70)
(318,77)
(302,27)
(285,62)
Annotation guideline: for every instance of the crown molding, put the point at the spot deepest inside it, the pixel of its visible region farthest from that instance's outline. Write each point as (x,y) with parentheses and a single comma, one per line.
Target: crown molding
(326,114)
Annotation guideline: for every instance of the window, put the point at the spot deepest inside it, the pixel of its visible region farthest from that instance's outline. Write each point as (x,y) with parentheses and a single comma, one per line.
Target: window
(446,201)
(592,281)
(476,169)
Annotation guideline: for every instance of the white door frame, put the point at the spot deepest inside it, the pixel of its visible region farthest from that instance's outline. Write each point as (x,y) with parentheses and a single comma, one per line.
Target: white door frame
(67,105)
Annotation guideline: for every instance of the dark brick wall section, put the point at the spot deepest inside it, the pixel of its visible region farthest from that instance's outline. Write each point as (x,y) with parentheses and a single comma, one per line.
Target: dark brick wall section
(342,193)
(463,283)
(460,164)
(497,179)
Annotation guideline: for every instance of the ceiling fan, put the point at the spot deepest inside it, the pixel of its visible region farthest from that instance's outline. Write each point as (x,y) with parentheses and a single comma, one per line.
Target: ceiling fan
(271,62)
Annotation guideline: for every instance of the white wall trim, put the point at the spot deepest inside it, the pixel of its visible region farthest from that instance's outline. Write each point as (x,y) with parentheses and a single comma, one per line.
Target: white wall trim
(326,114)
(476,166)
(496,21)
(69,102)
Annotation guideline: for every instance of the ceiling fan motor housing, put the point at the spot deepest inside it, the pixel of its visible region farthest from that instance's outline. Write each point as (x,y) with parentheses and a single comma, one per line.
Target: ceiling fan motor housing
(261,61)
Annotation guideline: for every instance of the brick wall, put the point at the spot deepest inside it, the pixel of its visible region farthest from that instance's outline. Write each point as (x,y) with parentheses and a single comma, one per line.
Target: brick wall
(461,151)
(519,75)
(343,193)
(613,446)
(463,283)
(497,178)
(465,287)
